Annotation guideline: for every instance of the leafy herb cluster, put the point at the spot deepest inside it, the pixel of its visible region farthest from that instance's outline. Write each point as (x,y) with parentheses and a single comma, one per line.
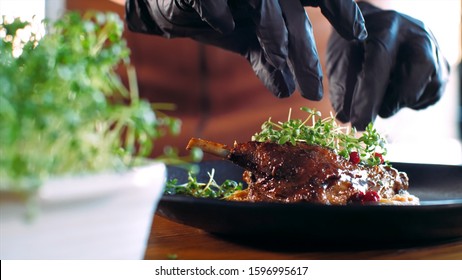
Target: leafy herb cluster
(64,108)
(210,189)
(327,133)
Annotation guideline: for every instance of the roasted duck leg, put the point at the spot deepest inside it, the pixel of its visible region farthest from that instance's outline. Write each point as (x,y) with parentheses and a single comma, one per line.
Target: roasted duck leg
(310,173)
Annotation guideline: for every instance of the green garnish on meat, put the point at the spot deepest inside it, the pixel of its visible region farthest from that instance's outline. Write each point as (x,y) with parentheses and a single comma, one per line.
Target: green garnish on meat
(326,132)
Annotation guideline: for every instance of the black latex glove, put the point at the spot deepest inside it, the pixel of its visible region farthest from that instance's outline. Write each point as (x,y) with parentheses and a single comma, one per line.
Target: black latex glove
(399,65)
(275,36)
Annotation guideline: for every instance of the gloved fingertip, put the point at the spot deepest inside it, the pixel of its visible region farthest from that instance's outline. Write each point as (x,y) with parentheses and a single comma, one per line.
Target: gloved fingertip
(342,117)
(283,93)
(280,83)
(282,90)
(387,110)
(311,87)
(360,119)
(358,125)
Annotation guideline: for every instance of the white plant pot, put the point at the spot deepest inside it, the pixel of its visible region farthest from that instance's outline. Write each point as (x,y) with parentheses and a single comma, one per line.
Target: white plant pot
(103,216)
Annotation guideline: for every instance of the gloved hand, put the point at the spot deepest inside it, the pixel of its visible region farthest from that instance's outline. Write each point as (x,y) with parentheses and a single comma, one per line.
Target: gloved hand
(275,36)
(399,65)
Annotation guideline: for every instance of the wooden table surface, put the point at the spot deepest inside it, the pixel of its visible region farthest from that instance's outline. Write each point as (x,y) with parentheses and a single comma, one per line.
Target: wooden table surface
(172,240)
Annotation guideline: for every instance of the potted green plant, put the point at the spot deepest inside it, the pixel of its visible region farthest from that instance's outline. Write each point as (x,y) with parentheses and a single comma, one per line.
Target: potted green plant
(76,180)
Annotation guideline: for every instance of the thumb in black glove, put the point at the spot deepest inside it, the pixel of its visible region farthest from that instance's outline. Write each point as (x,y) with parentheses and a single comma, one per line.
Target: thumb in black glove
(399,65)
(275,36)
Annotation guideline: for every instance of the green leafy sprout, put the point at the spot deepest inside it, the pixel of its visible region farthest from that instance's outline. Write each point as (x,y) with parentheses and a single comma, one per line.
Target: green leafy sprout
(325,132)
(210,189)
(64,108)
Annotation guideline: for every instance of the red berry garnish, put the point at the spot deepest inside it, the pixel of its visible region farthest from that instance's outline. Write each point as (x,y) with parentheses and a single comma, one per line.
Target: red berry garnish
(367,197)
(354,157)
(371,196)
(379,155)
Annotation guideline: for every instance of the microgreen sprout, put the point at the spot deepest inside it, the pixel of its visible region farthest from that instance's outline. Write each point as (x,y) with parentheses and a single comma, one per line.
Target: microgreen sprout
(209,189)
(64,108)
(325,132)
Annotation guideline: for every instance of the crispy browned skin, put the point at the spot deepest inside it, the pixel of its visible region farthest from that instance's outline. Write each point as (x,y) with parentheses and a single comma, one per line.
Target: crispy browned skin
(309,173)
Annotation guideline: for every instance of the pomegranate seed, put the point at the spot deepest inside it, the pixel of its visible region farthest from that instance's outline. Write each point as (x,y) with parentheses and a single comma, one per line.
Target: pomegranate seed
(361,198)
(354,157)
(371,196)
(379,155)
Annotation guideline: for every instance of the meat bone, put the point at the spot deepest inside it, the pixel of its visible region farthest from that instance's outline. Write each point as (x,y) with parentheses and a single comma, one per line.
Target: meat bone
(210,147)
